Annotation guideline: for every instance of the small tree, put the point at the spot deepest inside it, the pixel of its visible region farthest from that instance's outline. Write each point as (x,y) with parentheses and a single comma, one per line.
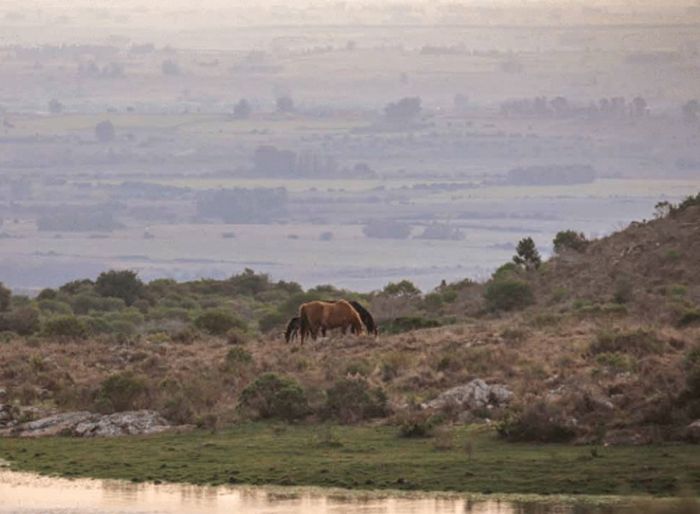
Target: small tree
(404,110)
(68,327)
(570,240)
(272,396)
(124,284)
(218,322)
(508,294)
(403,288)
(5,297)
(527,254)
(104,131)
(55,107)
(242,110)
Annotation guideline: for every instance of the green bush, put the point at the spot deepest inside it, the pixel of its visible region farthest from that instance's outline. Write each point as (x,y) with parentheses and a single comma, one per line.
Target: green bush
(527,254)
(689,317)
(218,322)
(636,342)
(352,400)
(47,294)
(121,391)
(236,358)
(123,284)
(508,294)
(272,396)
(66,327)
(539,421)
(405,288)
(408,323)
(236,336)
(570,240)
(85,303)
(23,321)
(417,424)
(271,321)
(54,307)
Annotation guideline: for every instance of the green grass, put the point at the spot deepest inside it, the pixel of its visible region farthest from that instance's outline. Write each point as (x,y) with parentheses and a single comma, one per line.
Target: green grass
(364,458)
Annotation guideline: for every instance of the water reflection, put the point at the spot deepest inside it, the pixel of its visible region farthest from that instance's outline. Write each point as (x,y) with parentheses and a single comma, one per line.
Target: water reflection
(30,494)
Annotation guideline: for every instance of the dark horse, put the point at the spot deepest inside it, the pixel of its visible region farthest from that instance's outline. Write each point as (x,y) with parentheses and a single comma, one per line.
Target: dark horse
(294,325)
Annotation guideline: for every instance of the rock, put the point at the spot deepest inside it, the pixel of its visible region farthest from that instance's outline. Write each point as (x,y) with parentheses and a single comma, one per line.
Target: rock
(477,394)
(123,423)
(692,431)
(89,424)
(626,437)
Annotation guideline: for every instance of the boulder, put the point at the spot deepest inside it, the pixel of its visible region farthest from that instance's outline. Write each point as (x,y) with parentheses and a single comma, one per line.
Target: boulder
(692,431)
(89,424)
(477,394)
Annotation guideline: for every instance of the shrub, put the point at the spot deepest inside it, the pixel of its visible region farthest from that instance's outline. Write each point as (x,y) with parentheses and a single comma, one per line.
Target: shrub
(508,294)
(54,307)
(236,358)
(417,424)
(23,321)
(47,294)
(689,317)
(84,303)
(5,297)
(407,323)
(353,400)
(65,326)
(123,284)
(405,288)
(507,270)
(636,342)
(570,240)
(218,322)
(236,336)
(272,396)
(539,421)
(624,291)
(121,391)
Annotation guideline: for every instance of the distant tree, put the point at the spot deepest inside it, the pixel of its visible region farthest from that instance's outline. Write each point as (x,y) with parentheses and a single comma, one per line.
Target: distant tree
(571,240)
(691,111)
(123,284)
(560,106)
(242,110)
(239,205)
(404,288)
(387,229)
(55,107)
(326,236)
(285,104)
(527,254)
(104,131)
(269,160)
(662,209)
(170,67)
(5,297)
(639,107)
(404,110)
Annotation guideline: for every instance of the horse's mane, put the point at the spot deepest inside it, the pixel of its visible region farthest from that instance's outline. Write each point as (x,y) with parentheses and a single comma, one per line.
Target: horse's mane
(366,317)
(292,329)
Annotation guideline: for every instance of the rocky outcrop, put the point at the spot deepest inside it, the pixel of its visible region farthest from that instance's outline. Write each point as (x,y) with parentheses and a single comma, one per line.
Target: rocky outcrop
(477,394)
(89,424)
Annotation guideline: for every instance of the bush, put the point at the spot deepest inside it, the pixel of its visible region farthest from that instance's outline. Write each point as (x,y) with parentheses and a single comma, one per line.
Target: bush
(84,303)
(508,295)
(236,336)
(569,240)
(689,317)
(54,307)
(405,288)
(237,357)
(218,322)
(23,321)
(272,396)
(352,400)
(636,342)
(539,421)
(5,297)
(408,323)
(418,424)
(121,391)
(123,284)
(65,326)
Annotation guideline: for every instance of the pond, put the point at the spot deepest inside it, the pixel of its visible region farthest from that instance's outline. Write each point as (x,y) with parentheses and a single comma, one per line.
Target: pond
(28,493)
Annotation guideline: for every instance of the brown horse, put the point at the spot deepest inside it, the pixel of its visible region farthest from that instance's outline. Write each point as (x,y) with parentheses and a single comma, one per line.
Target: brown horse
(315,316)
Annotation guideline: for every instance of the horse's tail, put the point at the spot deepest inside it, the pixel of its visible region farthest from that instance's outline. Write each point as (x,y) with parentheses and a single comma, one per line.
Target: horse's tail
(292,329)
(366,317)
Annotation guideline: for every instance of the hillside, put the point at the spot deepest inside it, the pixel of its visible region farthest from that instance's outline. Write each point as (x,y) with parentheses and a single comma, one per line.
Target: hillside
(605,350)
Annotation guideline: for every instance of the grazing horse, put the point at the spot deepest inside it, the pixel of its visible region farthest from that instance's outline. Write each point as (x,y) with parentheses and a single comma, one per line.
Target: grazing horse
(317,315)
(366,317)
(290,334)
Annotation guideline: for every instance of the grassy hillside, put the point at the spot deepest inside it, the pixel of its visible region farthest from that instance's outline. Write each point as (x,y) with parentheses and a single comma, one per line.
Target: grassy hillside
(601,344)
